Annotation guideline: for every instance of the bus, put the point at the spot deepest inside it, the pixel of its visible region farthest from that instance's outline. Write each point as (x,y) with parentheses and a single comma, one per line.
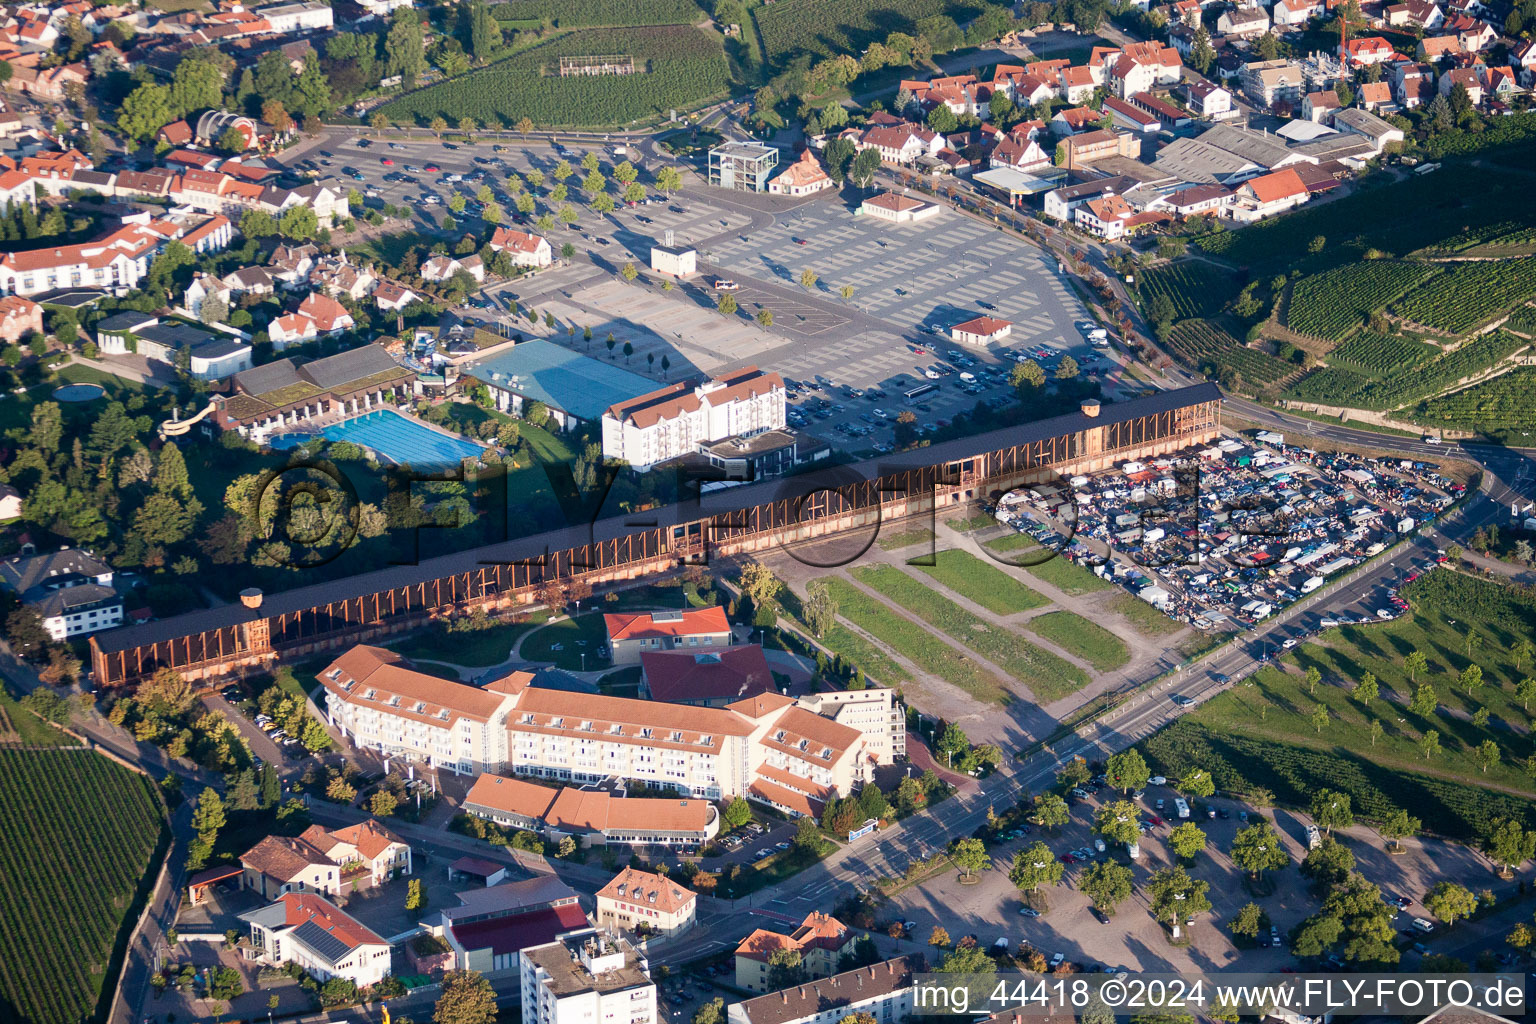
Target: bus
(920,392)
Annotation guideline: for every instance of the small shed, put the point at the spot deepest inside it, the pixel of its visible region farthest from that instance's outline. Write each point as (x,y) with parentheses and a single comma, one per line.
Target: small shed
(468,869)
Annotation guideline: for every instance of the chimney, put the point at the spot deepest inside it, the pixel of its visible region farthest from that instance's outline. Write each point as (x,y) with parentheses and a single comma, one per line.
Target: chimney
(251,597)
(1090,407)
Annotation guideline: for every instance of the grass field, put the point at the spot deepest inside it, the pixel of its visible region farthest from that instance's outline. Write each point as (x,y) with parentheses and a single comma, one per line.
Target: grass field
(19,725)
(1082,638)
(987,585)
(905,539)
(476,648)
(1067,577)
(79,837)
(1046,675)
(1263,733)
(970,524)
(582,635)
(925,650)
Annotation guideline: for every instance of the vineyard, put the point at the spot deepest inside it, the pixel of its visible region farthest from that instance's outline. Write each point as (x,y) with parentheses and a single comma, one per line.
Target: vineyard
(1523,320)
(1241,764)
(78,841)
(1196,288)
(685,68)
(1334,303)
(1467,294)
(828,27)
(1379,355)
(1449,206)
(1330,386)
(1395,390)
(1206,345)
(1503,408)
(588,13)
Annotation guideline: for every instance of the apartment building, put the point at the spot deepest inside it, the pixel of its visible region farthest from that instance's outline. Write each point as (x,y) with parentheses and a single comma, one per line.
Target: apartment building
(632,633)
(586,978)
(70,589)
(707,678)
(1267,82)
(115,262)
(821,940)
(638,900)
(319,937)
(674,421)
(380,703)
(883,990)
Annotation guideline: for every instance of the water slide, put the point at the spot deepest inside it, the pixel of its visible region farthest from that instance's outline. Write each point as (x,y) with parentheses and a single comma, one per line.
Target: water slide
(177,427)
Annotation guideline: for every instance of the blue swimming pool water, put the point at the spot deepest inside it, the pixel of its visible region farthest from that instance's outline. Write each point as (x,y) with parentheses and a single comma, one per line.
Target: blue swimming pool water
(394,437)
(78,392)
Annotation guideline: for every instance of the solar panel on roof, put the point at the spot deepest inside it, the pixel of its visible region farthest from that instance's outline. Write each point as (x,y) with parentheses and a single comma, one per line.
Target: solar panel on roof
(321,941)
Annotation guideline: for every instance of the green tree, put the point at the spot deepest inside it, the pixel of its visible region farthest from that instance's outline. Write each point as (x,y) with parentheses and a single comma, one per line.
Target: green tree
(1026,374)
(967,960)
(1186,840)
(1367,689)
(1331,810)
(1107,884)
(737,813)
(1249,921)
(1050,811)
(1397,826)
(415,897)
(1509,844)
(820,608)
(765,317)
(1487,755)
(1197,782)
(1450,901)
(1525,692)
(712,1012)
(145,111)
(1258,848)
(467,998)
(1127,770)
(1415,663)
(1175,897)
(1429,745)
(1116,822)
(1034,867)
(1424,700)
(1328,864)
(785,967)
(1319,717)
(970,856)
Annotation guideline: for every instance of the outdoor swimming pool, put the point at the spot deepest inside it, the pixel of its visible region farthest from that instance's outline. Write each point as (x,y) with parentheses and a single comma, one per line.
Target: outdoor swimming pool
(395,438)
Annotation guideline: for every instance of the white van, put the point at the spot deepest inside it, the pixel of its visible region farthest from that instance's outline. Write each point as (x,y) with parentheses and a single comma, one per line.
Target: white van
(1182,806)
(1133,850)
(968,377)
(1422,925)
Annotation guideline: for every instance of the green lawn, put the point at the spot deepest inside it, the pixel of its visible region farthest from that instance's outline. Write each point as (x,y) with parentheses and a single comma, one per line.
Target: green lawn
(1065,576)
(1046,675)
(1087,640)
(475,648)
(28,728)
(569,635)
(904,539)
(1144,618)
(917,645)
(970,524)
(987,585)
(878,667)
(1266,729)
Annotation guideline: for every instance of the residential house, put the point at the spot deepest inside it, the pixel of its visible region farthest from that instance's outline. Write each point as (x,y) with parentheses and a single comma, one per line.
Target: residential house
(804,177)
(1424,14)
(1078,83)
(1071,120)
(631,633)
(204,286)
(1363,123)
(884,991)
(1368,50)
(1029,91)
(638,901)
(392,296)
(820,939)
(1206,98)
(1077,151)
(1199,200)
(1268,195)
(1019,154)
(1143,66)
(1291,14)
(10,503)
(523,249)
(19,317)
(1376,97)
(1317,107)
(304,929)
(901,144)
(317,315)
(1061,203)
(70,589)
(327,861)
(282,864)
(250,281)
(442,268)
(1413,84)
(1470,78)
(1245,22)
(1112,217)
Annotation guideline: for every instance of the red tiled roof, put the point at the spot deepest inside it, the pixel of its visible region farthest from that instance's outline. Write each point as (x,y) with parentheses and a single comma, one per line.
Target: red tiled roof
(643,625)
(986,325)
(695,675)
(1278,185)
(652,891)
(302,907)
